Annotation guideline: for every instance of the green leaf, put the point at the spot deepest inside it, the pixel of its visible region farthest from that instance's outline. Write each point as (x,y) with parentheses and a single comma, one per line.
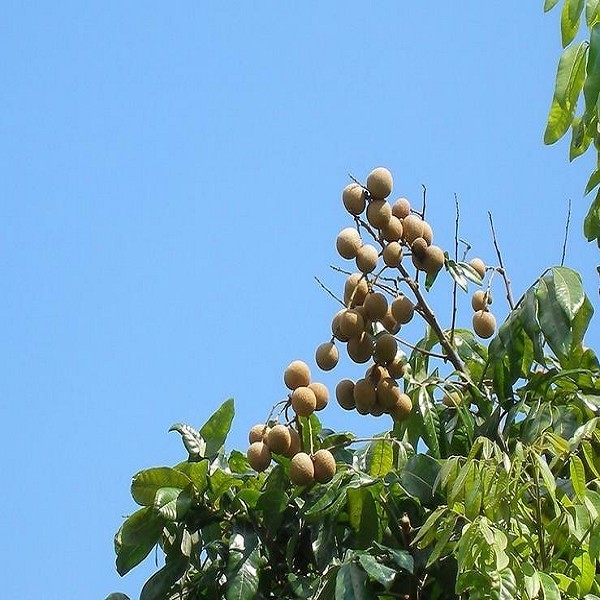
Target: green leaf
(551,591)
(243,567)
(215,430)
(458,274)
(197,472)
(363,516)
(592,12)
(569,290)
(117,596)
(418,477)
(505,585)
(136,538)
(593,181)
(380,573)
(581,138)
(146,483)
(380,457)
(159,585)
(172,503)
(431,421)
(569,82)
(351,583)
(577,471)
(191,439)
(549,4)
(546,474)
(591,224)
(591,87)
(403,559)
(569,21)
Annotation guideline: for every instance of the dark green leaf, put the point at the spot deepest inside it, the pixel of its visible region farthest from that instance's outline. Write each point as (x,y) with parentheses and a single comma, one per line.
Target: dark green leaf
(159,585)
(363,516)
(569,81)
(380,573)
(146,483)
(403,559)
(380,457)
(197,472)
(591,224)
(418,477)
(215,430)
(581,138)
(117,596)
(569,21)
(172,503)
(431,421)
(351,583)
(591,87)
(243,566)
(593,181)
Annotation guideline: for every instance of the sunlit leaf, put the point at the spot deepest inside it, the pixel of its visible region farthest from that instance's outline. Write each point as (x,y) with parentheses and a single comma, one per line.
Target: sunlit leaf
(380,457)
(577,471)
(569,21)
(215,430)
(375,570)
(146,483)
(192,440)
(172,503)
(419,475)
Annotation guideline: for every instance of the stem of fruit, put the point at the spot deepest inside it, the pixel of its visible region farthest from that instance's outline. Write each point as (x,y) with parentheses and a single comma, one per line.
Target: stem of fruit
(501,269)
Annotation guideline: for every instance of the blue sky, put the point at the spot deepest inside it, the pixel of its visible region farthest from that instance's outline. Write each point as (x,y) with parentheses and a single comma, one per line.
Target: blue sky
(170,186)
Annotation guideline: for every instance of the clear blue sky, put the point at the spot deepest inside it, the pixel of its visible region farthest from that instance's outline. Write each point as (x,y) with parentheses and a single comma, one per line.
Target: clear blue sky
(170,184)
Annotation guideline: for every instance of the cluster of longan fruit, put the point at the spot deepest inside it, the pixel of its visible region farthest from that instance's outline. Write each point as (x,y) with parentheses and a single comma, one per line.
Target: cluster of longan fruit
(484,322)
(305,397)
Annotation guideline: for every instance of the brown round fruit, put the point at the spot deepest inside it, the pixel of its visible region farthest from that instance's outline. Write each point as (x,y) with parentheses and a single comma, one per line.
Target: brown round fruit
(355,289)
(327,356)
(348,242)
(354,199)
(412,228)
(258,433)
(433,260)
(360,349)
(480,300)
(452,399)
(296,374)
(376,306)
(321,394)
(419,247)
(484,324)
(479,266)
(377,410)
(402,409)
(386,348)
(304,401)
(392,230)
(351,323)
(344,394)
(380,182)
(402,309)
(335,326)
(324,465)
(279,439)
(391,325)
(427,232)
(401,208)
(388,393)
(396,368)
(365,396)
(392,254)
(376,373)
(379,212)
(259,456)
(366,258)
(302,470)
(295,445)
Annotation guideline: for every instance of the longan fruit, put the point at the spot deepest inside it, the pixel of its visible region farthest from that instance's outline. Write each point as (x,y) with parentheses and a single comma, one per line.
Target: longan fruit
(452,399)
(279,439)
(376,373)
(385,349)
(402,309)
(380,182)
(366,258)
(392,254)
(324,465)
(304,401)
(354,199)
(258,433)
(351,323)
(433,260)
(479,266)
(348,242)
(321,394)
(391,325)
(401,208)
(355,289)
(376,306)
(377,410)
(379,212)
(388,393)
(412,228)
(344,394)
(402,409)
(297,374)
(392,230)
(259,456)
(365,395)
(302,470)
(419,247)
(484,324)
(360,349)
(327,356)
(295,444)
(335,326)
(427,232)
(396,368)
(480,300)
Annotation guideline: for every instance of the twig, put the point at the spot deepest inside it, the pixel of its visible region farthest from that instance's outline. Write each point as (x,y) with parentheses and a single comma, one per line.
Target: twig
(424,201)
(456,222)
(328,290)
(564,248)
(502,270)
(426,352)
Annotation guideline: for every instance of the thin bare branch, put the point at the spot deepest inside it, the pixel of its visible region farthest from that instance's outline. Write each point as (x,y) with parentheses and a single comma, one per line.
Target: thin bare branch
(564,248)
(455,286)
(425,352)
(502,269)
(328,291)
